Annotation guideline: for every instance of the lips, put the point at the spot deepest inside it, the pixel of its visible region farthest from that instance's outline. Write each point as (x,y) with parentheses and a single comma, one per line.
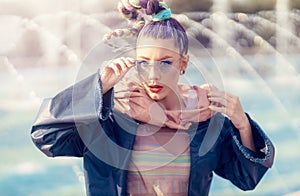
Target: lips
(155,88)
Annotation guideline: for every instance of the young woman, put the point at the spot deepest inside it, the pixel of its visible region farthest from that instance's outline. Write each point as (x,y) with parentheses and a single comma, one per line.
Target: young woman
(151,135)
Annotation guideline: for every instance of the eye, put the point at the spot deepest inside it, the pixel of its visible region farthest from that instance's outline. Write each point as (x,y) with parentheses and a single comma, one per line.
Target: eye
(165,65)
(142,63)
(166,62)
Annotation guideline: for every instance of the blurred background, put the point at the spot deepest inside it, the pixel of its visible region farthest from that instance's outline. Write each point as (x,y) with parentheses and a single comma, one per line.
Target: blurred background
(248,47)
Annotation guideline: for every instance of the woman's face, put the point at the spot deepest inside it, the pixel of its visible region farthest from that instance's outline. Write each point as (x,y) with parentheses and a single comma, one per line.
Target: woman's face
(159,64)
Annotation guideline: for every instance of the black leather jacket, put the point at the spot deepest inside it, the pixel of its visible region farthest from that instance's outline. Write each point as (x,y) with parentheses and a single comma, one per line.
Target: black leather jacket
(81,122)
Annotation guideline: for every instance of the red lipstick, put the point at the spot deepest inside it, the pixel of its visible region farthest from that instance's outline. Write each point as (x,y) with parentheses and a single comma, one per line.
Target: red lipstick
(155,88)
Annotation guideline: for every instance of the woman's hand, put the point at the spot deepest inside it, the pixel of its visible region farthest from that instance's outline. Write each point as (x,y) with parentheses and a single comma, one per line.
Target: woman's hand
(230,105)
(115,71)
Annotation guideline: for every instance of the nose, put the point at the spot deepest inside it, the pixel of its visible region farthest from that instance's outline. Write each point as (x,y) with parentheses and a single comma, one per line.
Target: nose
(153,73)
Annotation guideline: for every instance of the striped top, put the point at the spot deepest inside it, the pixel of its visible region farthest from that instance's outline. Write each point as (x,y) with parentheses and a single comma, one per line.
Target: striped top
(160,162)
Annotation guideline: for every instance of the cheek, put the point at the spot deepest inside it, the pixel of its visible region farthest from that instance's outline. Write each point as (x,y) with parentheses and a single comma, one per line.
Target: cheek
(171,77)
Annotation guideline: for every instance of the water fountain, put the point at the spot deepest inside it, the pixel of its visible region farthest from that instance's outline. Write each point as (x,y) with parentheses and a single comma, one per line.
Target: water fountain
(282,68)
(254,55)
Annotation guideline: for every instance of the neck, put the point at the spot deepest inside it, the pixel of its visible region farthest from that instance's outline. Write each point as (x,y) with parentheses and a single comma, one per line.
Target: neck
(173,101)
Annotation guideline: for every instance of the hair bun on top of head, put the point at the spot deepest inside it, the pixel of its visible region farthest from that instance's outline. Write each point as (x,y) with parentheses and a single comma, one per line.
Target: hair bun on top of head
(163,14)
(158,9)
(131,9)
(135,11)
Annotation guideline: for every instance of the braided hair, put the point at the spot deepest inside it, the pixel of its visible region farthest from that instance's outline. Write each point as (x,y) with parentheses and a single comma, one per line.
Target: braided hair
(160,25)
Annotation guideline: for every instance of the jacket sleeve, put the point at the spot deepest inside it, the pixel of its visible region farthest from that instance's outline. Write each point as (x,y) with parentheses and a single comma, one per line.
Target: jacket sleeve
(243,167)
(61,119)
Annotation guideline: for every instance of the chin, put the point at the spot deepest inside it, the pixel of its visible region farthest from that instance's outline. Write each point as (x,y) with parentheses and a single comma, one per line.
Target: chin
(157,96)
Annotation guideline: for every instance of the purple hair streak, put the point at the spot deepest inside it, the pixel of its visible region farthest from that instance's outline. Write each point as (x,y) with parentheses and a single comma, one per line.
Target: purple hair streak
(166,29)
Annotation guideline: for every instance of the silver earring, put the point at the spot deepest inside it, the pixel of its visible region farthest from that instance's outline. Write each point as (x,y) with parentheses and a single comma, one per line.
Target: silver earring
(182,72)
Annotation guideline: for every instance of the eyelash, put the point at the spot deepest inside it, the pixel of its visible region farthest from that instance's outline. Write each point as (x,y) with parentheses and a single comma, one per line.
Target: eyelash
(167,62)
(141,62)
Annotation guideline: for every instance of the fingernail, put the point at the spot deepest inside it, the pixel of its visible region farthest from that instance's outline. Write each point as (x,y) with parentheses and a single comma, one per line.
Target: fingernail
(208,94)
(131,60)
(210,107)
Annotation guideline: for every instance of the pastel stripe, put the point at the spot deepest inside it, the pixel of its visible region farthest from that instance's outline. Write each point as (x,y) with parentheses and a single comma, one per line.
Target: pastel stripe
(153,166)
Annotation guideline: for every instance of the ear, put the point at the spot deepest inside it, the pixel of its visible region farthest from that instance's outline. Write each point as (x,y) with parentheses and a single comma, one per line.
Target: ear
(184,61)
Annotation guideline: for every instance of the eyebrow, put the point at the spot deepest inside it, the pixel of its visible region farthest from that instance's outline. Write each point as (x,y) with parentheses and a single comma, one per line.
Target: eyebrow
(159,59)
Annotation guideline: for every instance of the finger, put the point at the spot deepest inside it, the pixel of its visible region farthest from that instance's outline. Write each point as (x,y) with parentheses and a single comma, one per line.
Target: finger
(219,101)
(217,109)
(208,87)
(131,61)
(120,66)
(217,93)
(115,67)
(123,63)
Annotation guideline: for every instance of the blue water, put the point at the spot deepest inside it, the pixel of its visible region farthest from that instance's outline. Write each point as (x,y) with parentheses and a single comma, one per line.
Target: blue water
(54,178)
